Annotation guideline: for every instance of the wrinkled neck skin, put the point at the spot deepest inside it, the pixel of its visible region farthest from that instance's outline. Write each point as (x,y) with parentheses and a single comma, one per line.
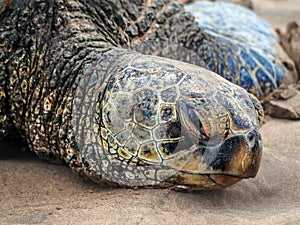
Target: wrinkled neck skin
(73,91)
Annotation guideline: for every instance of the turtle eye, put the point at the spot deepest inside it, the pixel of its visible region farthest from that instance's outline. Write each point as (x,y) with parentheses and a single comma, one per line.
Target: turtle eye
(193,121)
(197,124)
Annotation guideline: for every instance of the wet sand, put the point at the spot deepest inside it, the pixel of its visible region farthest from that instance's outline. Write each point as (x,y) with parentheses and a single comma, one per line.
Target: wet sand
(36,192)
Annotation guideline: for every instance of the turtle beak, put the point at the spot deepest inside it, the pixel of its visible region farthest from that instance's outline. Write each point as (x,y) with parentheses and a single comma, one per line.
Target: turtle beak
(238,156)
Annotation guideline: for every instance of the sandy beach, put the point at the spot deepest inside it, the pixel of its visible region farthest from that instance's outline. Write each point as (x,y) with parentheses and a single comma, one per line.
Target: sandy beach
(36,192)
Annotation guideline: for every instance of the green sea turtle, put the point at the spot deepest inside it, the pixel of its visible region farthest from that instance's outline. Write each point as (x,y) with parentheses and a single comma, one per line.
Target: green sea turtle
(74,87)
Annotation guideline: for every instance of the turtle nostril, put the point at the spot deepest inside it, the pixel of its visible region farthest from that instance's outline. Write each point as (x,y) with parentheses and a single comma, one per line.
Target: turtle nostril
(254,140)
(251,138)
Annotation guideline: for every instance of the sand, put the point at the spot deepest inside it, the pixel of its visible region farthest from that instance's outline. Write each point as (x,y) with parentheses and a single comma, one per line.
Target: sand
(36,192)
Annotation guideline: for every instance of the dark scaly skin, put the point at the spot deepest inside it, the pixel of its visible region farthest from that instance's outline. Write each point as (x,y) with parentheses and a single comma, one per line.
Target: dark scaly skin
(62,65)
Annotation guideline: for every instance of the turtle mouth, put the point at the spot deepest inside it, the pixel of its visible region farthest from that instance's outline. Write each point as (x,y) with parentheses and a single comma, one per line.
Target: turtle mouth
(237,176)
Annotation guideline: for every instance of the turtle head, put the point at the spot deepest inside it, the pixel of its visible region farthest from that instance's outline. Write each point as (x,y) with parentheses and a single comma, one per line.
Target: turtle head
(163,122)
